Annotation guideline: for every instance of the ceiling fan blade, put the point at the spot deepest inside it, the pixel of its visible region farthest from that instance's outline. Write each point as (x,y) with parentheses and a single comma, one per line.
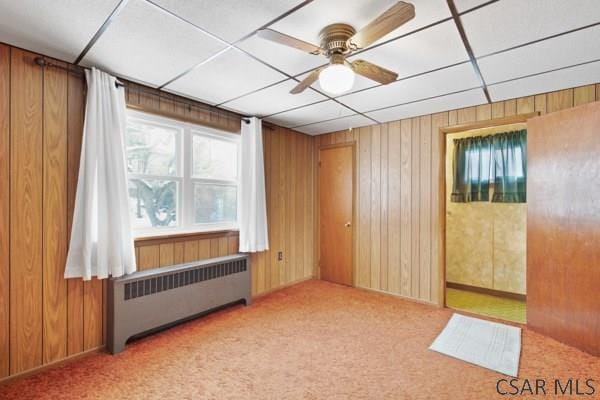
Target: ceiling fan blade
(287,40)
(394,17)
(374,72)
(306,82)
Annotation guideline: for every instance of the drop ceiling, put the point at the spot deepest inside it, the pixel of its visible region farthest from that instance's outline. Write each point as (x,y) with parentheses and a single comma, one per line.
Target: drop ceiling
(207,50)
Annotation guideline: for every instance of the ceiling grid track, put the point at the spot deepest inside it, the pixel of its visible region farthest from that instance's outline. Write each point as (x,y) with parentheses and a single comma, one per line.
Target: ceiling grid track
(449,94)
(234,46)
(456,17)
(463,36)
(229,45)
(113,15)
(431,25)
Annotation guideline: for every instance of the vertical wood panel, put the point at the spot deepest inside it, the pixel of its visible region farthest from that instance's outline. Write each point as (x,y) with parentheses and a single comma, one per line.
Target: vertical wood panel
(223,246)
(375,190)
(425,210)
(394,205)
(166,254)
(364,206)
(178,252)
(92,310)
(405,206)
(299,209)
(384,256)
(204,249)
(559,100)
(75,113)
(55,214)
(4,209)
(276,201)
(290,201)
(484,112)
(526,105)
(584,94)
(497,110)
(540,103)
(415,209)
(26,258)
(510,107)
(233,244)
(149,257)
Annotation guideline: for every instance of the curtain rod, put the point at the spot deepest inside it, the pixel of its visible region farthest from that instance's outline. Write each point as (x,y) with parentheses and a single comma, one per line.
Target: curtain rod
(42,62)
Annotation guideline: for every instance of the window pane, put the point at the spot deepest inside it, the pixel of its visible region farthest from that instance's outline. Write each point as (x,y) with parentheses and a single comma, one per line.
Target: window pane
(214,203)
(151,148)
(152,203)
(214,158)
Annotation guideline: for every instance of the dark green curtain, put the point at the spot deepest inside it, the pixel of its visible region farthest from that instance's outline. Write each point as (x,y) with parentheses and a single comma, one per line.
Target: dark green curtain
(472,169)
(510,167)
(479,161)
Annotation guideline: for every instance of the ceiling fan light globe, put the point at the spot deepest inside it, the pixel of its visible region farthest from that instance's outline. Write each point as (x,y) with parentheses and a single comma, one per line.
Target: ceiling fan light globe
(336,79)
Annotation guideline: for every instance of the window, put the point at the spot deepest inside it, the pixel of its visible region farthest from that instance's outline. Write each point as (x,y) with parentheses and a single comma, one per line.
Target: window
(495,164)
(182,177)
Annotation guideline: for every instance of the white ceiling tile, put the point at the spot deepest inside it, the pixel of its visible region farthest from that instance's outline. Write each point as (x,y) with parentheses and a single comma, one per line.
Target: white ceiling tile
(59,29)
(353,121)
(438,104)
(287,59)
(307,22)
(426,50)
(149,45)
(229,19)
(464,5)
(508,23)
(570,49)
(440,82)
(562,79)
(273,99)
(313,113)
(225,77)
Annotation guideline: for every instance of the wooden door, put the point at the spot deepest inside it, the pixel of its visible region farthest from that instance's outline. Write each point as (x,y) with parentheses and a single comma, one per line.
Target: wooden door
(336,181)
(563,226)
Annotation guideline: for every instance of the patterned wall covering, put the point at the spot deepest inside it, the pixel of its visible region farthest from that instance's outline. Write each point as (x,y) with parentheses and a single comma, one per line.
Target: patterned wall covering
(485,242)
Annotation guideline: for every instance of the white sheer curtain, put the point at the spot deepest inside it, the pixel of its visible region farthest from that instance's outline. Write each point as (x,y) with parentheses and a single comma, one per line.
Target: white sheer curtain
(252,203)
(101,240)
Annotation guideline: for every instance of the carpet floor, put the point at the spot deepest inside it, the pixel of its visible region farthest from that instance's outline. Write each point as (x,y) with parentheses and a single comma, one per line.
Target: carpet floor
(315,340)
(484,304)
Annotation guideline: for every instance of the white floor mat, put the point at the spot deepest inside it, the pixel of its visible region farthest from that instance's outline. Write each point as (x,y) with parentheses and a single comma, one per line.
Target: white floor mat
(487,344)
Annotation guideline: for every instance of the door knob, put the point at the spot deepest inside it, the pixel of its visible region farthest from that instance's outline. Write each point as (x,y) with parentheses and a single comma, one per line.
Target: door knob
(347,224)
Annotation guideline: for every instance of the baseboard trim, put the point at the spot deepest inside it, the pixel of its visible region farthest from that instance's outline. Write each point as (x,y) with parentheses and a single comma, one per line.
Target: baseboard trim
(491,292)
(399,296)
(52,365)
(285,285)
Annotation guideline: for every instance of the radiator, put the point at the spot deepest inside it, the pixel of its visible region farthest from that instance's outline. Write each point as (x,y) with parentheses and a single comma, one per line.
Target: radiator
(147,300)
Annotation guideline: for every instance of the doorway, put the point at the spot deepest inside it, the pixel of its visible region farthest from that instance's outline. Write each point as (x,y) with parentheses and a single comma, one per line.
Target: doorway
(485,217)
(336,210)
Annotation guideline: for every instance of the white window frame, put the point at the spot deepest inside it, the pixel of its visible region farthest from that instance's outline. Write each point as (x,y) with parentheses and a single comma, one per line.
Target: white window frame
(184,178)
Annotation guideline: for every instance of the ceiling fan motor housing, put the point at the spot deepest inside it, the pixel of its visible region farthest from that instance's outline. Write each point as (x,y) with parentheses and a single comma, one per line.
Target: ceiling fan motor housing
(334,39)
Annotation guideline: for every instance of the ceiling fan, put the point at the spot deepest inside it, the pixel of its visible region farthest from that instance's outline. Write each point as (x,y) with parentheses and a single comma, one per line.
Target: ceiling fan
(338,41)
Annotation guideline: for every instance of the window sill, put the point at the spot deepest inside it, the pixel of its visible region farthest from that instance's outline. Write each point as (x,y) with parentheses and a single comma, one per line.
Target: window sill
(183,237)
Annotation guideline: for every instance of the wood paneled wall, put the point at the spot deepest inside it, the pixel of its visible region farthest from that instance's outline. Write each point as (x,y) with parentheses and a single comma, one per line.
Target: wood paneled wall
(169,105)
(45,318)
(399,246)
(49,318)
(290,171)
